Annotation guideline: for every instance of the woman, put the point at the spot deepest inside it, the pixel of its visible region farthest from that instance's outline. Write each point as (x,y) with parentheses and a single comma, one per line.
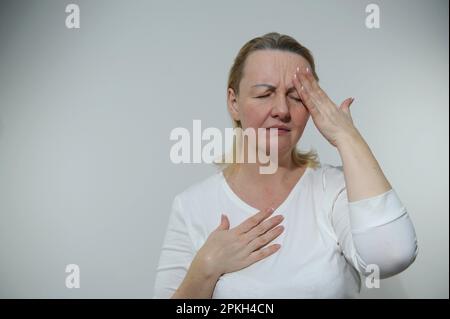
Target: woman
(306,231)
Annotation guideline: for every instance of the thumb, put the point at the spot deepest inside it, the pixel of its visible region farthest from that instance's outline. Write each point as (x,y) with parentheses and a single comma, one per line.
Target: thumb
(345,106)
(224,223)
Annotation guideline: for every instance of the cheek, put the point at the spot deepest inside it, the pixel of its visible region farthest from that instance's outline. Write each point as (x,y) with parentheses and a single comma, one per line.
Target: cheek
(253,115)
(300,116)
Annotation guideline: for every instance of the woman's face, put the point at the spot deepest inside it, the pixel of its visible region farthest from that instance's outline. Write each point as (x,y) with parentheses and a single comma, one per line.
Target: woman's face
(267,97)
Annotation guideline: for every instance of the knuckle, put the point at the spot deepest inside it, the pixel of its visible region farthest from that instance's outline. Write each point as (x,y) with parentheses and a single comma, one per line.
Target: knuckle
(235,245)
(271,235)
(261,240)
(259,229)
(242,240)
(254,220)
(259,254)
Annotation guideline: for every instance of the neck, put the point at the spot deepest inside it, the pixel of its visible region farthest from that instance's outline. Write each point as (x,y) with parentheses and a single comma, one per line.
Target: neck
(250,172)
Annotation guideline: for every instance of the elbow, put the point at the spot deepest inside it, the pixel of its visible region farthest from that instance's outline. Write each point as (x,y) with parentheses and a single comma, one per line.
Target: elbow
(392,262)
(390,248)
(398,261)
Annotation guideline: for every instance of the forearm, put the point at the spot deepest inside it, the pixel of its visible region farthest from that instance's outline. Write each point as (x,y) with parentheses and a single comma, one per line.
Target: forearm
(363,175)
(197,284)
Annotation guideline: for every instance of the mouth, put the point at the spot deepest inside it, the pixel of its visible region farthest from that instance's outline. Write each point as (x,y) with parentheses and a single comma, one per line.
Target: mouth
(279,130)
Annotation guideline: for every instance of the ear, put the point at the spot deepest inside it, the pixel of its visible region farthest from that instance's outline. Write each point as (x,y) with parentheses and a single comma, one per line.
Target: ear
(232,104)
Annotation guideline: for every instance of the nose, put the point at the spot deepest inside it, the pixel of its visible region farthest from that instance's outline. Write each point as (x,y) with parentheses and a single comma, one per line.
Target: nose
(281,109)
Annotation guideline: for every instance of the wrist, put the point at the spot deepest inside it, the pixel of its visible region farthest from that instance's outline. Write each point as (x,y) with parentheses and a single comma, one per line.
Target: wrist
(205,268)
(348,137)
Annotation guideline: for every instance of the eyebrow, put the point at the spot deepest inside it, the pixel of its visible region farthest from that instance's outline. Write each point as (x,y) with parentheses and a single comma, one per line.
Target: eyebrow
(273,88)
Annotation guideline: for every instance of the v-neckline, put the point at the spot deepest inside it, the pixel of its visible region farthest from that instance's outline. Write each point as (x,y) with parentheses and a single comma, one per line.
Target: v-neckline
(247,207)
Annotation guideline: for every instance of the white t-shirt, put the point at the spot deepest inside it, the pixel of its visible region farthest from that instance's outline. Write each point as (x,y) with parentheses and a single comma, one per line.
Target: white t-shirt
(327,246)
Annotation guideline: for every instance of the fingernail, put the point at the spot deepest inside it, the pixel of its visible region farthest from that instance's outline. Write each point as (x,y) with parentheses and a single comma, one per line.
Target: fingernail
(271,209)
(307,69)
(298,69)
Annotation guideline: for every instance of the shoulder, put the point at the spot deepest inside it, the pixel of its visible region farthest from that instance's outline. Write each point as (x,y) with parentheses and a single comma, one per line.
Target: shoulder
(332,187)
(201,190)
(198,207)
(192,200)
(329,176)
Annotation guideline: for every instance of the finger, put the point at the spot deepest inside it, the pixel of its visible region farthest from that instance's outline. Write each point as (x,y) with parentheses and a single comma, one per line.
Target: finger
(312,90)
(263,253)
(253,221)
(305,97)
(307,79)
(310,77)
(345,106)
(314,97)
(224,223)
(306,87)
(310,81)
(304,80)
(263,227)
(263,240)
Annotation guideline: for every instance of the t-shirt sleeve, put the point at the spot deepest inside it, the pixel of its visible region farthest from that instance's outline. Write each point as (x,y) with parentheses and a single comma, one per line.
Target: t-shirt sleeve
(176,254)
(374,231)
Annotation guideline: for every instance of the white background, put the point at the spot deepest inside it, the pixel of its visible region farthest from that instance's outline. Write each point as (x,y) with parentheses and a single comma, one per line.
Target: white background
(85,118)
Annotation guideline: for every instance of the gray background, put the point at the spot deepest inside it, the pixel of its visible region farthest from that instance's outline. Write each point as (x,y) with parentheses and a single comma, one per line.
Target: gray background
(85,118)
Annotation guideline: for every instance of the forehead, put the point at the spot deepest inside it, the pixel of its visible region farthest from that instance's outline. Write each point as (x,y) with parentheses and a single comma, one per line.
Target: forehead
(267,64)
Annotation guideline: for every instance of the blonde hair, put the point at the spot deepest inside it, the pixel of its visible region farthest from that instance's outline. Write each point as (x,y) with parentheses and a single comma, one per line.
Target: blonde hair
(269,41)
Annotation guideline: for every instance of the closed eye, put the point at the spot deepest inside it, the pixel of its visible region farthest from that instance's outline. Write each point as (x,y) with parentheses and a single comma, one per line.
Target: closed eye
(295,98)
(267,95)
